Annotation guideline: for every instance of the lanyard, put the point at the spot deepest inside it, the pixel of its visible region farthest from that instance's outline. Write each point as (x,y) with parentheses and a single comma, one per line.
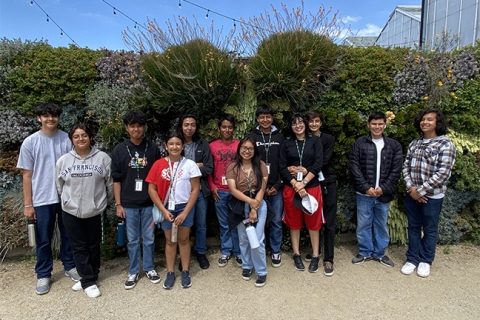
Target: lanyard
(143,159)
(267,147)
(173,175)
(249,181)
(300,155)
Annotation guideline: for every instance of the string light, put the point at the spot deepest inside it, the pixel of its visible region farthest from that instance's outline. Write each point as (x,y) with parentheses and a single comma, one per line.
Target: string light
(115,10)
(206,16)
(62,32)
(180,4)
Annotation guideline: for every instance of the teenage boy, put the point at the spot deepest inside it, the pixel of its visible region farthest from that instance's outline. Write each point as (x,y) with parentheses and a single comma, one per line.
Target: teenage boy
(328,180)
(38,156)
(131,162)
(375,162)
(268,140)
(224,151)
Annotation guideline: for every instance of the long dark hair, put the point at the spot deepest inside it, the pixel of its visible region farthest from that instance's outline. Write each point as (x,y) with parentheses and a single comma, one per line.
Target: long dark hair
(294,118)
(196,135)
(255,161)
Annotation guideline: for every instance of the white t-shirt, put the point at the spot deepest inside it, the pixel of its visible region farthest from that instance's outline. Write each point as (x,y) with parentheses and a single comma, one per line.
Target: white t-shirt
(379,143)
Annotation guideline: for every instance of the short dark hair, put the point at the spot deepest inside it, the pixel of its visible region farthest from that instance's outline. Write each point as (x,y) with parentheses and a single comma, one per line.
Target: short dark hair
(375,115)
(227,116)
(312,114)
(133,116)
(440,128)
(294,117)
(48,108)
(196,135)
(264,109)
(83,127)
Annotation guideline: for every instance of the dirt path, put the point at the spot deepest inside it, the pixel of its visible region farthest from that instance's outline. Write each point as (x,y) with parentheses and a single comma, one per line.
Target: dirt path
(367,291)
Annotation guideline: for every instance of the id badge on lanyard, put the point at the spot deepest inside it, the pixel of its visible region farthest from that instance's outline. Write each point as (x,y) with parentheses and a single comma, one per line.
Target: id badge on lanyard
(138,184)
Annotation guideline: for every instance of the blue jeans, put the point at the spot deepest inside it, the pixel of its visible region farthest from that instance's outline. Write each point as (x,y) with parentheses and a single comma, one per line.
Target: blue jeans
(254,258)
(275,237)
(228,238)
(372,213)
(139,223)
(201,224)
(422,216)
(47,215)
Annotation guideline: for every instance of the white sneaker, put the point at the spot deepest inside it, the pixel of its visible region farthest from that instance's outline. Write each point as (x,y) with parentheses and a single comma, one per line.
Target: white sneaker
(408,268)
(423,270)
(77,286)
(92,291)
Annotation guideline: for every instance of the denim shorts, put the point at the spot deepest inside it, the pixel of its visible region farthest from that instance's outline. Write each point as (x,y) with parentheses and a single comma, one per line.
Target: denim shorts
(188,222)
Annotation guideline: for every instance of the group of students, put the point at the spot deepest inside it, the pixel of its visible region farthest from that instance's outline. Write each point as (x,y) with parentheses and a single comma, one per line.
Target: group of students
(263,180)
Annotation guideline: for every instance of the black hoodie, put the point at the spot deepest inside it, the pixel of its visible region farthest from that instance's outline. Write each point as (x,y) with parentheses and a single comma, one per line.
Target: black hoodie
(275,139)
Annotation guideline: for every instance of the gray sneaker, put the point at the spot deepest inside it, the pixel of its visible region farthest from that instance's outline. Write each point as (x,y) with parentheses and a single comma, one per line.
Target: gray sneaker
(358,259)
(73,274)
(43,286)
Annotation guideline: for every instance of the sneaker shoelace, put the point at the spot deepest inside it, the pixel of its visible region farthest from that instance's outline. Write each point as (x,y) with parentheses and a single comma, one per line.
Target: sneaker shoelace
(132,277)
(152,273)
(43,281)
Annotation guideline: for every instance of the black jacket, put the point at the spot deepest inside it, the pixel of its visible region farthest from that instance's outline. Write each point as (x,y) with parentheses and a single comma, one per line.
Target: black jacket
(203,155)
(327,169)
(274,178)
(363,165)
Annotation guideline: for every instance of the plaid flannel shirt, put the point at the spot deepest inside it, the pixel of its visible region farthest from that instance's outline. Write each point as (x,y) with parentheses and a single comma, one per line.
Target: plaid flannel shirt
(428,165)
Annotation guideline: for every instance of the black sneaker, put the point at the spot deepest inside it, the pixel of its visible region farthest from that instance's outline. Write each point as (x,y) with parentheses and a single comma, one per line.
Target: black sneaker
(261,281)
(385,260)
(297,260)
(186,281)
(358,259)
(313,267)
(246,274)
(223,260)
(170,280)
(131,281)
(238,260)
(153,276)
(308,257)
(276,260)
(203,261)
(328,268)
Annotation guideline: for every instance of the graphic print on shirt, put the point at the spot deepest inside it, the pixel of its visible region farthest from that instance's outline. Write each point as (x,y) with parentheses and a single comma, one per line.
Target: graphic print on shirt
(166,174)
(226,155)
(136,162)
(82,170)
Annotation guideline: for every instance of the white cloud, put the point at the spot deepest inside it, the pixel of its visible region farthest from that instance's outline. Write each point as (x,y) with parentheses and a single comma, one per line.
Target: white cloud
(349,19)
(370,30)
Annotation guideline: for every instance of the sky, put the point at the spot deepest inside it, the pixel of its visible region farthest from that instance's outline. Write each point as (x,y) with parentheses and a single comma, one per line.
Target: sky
(93,24)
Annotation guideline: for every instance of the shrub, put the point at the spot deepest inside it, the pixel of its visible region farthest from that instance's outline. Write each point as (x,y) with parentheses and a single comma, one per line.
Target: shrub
(14,128)
(43,77)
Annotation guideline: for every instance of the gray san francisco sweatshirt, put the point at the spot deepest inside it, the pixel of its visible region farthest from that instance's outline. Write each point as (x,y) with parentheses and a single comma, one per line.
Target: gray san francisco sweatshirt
(84,184)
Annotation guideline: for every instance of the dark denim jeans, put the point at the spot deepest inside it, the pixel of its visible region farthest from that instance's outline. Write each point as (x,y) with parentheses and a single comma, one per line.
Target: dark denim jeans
(276,224)
(200,223)
(422,216)
(47,216)
(228,238)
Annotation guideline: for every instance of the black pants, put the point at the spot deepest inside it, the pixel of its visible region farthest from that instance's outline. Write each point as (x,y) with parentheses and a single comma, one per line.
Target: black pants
(329,197)
(85,236)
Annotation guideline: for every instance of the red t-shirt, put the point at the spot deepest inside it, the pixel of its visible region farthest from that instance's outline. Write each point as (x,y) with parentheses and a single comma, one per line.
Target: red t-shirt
(223,154)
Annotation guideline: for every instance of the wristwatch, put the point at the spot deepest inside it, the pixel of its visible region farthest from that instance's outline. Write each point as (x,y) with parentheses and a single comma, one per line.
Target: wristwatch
(305,181)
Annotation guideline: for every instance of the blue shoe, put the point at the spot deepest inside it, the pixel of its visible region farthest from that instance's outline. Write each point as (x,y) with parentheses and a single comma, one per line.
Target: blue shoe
(43,286)
(170,280)
(186,281)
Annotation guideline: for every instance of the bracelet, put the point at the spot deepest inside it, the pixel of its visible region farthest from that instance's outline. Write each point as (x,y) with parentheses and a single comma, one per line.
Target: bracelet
(28,206)
(117,204)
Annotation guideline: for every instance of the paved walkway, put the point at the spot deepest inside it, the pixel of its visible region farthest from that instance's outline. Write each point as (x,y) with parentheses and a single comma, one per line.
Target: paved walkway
(367,291)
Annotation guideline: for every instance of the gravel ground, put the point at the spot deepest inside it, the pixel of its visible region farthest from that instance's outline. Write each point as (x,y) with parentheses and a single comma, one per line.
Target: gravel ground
(366,291)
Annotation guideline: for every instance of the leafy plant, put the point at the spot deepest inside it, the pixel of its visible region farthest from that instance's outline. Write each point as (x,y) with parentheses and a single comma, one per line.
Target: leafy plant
(14,128)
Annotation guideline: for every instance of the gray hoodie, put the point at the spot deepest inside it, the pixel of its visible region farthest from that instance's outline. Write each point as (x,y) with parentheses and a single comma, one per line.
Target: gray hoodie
(84,185)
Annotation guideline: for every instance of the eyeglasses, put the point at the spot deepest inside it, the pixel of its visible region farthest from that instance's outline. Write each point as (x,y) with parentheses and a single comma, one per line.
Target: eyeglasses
(298,124)
(247,149)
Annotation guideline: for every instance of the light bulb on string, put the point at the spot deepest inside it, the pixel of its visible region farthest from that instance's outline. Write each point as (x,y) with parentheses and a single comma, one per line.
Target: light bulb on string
(206,16)
(234,24)
(31,3)
(180,4)
(114,12)
(48,20)
(135,26)
(61,33)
